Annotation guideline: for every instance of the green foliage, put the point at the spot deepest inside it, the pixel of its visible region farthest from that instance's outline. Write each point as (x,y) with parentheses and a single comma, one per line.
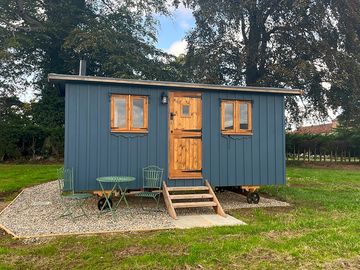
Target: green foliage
(342,141)
(45,36)
(41,37)
(22,138)
(299,44)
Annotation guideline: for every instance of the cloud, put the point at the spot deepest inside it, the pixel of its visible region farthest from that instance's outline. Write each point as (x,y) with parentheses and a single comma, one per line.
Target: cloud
(183,12)
(184,25)
(182,15)
(178,47)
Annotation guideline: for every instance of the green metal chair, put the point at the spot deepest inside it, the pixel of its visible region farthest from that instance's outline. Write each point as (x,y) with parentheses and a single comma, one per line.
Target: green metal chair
(152,183)
(69,198)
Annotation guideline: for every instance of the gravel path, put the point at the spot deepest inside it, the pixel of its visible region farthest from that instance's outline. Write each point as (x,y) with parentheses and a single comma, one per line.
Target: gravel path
(37,210)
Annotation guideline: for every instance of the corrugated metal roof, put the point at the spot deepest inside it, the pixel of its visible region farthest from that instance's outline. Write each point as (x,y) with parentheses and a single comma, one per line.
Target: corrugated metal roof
(93,79)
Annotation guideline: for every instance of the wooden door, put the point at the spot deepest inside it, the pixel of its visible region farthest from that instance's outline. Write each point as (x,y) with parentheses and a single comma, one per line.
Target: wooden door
(185,135)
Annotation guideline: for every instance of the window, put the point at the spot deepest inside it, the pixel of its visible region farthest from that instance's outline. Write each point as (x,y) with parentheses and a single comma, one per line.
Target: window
(129,113)
(185,110)
(236,117)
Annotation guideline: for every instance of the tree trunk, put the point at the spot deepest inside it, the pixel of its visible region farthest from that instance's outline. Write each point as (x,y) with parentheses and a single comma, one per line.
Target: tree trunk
(255,46)
(33,148)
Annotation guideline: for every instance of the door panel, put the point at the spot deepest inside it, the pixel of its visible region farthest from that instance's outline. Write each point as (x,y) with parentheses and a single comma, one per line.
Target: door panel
(185,135)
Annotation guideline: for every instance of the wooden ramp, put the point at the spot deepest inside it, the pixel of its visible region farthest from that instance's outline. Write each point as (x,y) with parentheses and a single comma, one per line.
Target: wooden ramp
(189,197)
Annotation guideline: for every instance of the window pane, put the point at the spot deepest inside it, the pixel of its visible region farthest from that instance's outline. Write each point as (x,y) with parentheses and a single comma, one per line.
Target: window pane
(229,116)
(185,110)
(120,112)
(138,113)
(244,123)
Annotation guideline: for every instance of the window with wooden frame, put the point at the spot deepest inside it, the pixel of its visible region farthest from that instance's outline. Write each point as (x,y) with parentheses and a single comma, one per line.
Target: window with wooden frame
(129,113)
(236,117)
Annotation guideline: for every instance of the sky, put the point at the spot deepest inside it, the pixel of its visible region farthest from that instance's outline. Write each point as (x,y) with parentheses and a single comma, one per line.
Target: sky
(172,30)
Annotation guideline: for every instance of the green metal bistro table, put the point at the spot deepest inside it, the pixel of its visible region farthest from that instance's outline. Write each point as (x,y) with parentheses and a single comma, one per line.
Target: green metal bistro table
(117,182)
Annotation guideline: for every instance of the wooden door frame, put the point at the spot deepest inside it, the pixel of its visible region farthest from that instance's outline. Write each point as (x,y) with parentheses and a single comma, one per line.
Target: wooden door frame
(173,94)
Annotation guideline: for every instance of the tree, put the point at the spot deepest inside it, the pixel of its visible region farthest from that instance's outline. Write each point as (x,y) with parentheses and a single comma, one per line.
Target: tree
(38,37)
(287,43)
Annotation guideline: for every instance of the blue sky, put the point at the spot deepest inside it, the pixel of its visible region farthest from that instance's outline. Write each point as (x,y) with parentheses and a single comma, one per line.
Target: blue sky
(173,29)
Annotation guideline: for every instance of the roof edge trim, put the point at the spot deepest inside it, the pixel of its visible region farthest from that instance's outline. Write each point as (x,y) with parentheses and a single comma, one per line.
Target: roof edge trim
(53,77)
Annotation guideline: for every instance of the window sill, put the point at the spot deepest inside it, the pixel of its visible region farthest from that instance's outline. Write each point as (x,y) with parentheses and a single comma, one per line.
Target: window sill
(237,133)
(130,131)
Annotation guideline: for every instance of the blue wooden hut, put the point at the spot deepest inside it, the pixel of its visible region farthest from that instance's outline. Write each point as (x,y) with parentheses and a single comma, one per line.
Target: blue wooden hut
(230,135)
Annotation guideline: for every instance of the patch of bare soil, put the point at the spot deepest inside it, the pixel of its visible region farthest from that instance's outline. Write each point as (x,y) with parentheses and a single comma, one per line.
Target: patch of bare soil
(264,255)
(349,264)
(283,234)
(130,251)
(3,205)
(140,250)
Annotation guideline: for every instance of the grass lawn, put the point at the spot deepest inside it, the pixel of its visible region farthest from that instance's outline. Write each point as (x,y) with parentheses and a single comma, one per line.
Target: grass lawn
(15,177)
(320,230)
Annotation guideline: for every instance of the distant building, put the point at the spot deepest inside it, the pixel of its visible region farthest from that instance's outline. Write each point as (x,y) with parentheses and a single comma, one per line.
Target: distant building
(318,129)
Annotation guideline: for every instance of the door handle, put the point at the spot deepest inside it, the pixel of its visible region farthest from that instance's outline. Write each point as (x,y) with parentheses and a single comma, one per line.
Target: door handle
(172,114)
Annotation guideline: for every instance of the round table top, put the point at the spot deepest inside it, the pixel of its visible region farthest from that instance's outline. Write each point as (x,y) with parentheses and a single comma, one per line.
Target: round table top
(115,179)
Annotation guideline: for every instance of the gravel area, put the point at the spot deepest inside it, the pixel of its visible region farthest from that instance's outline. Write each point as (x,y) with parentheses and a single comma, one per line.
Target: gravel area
(231,200)
(37,212)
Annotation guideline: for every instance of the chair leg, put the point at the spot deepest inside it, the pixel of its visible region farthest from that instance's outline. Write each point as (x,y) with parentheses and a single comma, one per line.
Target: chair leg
(67,211)
(157,201)
(82,208)
(141,203)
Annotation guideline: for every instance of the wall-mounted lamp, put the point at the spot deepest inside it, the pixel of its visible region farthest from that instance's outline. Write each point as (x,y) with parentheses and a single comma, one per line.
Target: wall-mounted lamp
(164,98)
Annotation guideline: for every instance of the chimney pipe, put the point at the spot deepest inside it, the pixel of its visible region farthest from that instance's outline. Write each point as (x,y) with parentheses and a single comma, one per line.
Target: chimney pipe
(82,68)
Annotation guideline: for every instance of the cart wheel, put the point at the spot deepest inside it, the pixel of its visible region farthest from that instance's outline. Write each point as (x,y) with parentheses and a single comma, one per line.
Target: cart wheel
(253,197)
(102,201)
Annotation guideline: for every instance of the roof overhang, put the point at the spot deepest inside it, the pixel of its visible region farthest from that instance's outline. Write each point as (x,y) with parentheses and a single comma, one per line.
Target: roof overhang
(60,78)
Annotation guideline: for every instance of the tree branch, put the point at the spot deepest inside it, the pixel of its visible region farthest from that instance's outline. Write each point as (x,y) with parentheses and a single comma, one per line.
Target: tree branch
(14,27)
(33,23)
(243,30)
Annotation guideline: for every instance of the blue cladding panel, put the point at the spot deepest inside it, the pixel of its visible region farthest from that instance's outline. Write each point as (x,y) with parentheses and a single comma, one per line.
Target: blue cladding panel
(93,151)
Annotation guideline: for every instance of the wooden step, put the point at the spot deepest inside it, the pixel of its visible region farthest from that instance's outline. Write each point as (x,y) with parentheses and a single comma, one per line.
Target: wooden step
(191,196)
(194,204)
(194,188)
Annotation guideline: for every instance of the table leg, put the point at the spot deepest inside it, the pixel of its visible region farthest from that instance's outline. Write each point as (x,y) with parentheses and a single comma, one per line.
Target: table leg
(122,192)
(107,198)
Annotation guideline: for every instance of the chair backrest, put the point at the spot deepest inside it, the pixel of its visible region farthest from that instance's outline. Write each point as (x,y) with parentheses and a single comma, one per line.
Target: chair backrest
(66,180)
(152,177)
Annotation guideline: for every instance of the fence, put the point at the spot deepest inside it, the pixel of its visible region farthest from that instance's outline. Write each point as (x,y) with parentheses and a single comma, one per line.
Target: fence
(340,147)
